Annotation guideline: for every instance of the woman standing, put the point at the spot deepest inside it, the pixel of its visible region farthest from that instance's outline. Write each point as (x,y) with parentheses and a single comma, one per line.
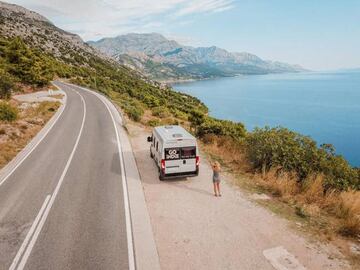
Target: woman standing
(216,178)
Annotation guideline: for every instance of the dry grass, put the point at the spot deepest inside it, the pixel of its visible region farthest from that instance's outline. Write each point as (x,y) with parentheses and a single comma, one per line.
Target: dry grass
(312,189)
(280,184)
(328,212)
(348,210)
(15,136)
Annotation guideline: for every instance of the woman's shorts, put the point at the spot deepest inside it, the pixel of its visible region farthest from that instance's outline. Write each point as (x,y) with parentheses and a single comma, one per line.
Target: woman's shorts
(216,179)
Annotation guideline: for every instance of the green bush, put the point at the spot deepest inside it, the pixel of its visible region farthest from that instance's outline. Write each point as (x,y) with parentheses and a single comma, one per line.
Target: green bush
(153,122)
(6,85)
(196,118)
(30,66)
(220,127)
(161,112)
(290,151)
(134,113)
(133,109)
(179,114)
(8,113)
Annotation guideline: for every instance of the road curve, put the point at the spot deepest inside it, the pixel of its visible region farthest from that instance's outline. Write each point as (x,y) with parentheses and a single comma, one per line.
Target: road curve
(64,207)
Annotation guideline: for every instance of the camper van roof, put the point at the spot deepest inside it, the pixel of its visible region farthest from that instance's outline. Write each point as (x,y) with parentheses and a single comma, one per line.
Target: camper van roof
(173,133)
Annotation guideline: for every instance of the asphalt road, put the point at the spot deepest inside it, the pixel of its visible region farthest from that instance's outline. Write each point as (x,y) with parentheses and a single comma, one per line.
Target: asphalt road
(63,207)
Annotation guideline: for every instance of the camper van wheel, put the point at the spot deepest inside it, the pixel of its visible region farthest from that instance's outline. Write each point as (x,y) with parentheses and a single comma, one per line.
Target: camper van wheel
(151,155)
(161,176)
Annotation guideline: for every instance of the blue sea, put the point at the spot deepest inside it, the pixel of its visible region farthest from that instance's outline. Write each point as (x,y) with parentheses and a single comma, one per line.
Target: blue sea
(323,105)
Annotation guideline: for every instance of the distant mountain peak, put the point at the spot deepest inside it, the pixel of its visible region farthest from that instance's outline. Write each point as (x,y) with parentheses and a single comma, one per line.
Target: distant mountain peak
(167,59)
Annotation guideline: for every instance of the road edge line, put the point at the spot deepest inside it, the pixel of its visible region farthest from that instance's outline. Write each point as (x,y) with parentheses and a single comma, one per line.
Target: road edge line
(129,234)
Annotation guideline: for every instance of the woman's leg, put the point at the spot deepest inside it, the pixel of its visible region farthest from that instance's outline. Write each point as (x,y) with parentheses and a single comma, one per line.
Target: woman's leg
(218,187)
(215,189)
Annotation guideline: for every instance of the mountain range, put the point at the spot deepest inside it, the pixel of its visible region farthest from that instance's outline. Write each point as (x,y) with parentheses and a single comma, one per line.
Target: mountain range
(163,59)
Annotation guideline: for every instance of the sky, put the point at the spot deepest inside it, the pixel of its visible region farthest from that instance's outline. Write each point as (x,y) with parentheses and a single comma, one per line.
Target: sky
(317,34)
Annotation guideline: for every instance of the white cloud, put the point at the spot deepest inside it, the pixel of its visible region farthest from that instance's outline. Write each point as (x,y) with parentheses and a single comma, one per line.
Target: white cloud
(93,19)
(202,6)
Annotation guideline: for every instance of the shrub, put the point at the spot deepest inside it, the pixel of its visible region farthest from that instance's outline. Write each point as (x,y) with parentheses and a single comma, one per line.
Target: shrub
(30,66)
(339,174)
(153,122)
(218,127)
(6,84)
(161,112)
(133,109)
(280,147)
(179,114)
(7,112)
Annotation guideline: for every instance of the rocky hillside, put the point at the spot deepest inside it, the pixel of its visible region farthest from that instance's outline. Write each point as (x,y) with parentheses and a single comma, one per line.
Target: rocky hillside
(34,29)
(165,59)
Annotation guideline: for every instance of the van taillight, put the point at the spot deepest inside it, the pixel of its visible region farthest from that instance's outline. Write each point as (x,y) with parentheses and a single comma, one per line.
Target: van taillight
(197,160)
(163,164)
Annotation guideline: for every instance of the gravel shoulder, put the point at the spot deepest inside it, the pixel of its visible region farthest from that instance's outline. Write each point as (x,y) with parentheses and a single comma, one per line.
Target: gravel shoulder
(195,230)
(40,96)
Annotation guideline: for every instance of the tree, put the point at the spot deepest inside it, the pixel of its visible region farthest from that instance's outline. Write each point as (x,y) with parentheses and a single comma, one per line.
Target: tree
(6,84)
(196,118)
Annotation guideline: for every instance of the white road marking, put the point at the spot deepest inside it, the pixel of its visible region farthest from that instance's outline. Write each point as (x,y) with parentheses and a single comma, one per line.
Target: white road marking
(281,259)
(29,234)
(130,243)
(56,191)
(62,108)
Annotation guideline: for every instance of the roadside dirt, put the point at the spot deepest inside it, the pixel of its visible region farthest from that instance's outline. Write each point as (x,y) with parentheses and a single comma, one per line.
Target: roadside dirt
(195,230)
(35,109)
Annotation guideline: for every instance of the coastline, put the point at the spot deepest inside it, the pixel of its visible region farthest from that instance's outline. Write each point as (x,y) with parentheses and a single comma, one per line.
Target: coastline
(172,82)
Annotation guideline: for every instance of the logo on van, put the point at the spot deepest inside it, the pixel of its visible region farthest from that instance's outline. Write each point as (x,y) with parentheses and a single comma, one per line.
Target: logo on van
(172,154)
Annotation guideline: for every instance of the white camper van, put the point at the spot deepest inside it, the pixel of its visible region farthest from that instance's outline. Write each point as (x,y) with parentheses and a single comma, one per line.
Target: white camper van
(175,152)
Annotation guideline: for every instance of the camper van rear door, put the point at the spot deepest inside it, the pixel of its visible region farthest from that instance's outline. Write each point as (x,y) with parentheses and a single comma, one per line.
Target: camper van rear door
(172,160)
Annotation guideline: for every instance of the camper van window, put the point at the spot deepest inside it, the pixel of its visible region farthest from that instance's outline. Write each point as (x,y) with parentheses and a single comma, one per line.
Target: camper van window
(188,152)
(172,153)
(157,146)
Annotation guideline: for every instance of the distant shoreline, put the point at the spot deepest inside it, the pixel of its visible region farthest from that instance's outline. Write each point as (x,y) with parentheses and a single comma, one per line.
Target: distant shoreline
(171,82)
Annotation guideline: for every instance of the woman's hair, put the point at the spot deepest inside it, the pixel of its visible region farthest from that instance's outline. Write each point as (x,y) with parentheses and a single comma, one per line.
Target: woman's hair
(216,165)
